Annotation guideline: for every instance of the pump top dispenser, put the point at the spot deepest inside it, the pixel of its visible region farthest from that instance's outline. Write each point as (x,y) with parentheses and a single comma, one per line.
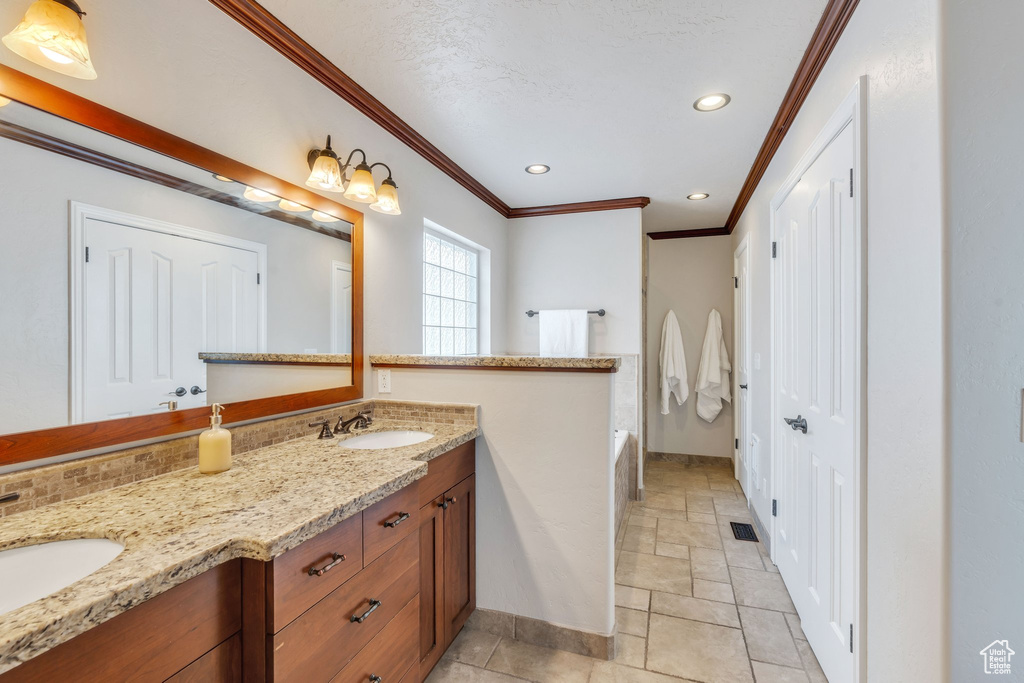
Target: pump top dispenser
(215,445)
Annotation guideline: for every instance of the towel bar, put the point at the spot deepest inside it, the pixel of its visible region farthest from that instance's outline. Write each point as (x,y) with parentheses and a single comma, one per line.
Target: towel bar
(599,312)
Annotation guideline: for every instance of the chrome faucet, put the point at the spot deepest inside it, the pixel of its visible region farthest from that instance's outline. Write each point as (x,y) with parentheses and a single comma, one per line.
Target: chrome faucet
(360,421)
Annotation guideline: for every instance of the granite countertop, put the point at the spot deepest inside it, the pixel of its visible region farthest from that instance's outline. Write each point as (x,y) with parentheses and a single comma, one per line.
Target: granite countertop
(178,525)
(279,358)
(591,363)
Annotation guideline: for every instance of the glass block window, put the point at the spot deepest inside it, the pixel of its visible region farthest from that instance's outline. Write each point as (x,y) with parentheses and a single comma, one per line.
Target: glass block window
(449,297)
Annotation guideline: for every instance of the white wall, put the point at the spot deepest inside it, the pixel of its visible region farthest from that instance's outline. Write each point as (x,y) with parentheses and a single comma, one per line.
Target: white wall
(895,44)
(544,545)
(200,75)
(689,276)
(983,53)
(583,260)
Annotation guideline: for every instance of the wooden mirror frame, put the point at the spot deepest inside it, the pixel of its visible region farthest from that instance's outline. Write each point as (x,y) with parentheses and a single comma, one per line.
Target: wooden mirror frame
(46,443)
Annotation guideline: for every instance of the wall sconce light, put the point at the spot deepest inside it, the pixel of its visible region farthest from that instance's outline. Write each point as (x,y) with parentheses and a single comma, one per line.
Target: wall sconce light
(328,173)
(52,35)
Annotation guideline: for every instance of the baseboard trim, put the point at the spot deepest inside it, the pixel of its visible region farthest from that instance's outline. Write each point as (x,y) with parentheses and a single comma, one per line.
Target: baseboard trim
(543,633)
(762,532)
(689,459)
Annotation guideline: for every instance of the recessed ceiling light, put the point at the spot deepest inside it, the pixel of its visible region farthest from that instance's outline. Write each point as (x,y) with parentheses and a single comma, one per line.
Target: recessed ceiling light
(222,178)
(697,196)
(712,102)
(538,169)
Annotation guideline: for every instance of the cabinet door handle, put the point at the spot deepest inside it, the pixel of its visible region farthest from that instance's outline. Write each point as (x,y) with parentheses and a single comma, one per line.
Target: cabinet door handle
(402,516)
(453,500)
(374,678)
(374,604)
(336,559)
(443,504)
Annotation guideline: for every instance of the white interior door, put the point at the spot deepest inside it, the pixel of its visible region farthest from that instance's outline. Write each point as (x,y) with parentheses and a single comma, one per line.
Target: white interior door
(150,302)
(817,375)
(741,372)
(341,307)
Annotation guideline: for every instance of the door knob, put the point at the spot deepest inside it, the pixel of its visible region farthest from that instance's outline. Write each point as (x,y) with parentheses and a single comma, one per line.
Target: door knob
(180,391)
(798,423)
(195,390)
(171,405)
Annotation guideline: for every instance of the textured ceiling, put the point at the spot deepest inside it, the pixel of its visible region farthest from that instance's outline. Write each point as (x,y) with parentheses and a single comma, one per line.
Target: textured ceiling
(600,90)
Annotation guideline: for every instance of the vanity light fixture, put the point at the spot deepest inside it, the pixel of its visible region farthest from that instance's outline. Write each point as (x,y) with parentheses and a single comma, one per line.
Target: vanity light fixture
(324,217)
(52,35)
(328,173)
(697,196)
(712,102)
(289,205)
(257,195)
(537,169)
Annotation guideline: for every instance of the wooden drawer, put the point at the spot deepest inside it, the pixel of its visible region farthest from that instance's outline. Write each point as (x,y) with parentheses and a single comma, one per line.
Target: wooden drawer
(292,589)
(319,644)
(390,654)
(389,521)
(222,664)
(150,642)
(445,471)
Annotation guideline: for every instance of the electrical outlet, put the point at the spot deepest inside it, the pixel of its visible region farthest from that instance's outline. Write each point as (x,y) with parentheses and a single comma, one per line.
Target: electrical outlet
(383,381)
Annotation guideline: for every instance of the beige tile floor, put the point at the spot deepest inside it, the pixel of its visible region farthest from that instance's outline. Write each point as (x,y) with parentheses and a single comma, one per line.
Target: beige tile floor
(692,603)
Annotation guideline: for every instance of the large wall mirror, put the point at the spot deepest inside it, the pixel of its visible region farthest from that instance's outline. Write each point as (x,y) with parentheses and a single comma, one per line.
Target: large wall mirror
(147,278)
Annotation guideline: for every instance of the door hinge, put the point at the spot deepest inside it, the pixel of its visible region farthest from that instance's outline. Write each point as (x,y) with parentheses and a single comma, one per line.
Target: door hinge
(851,182)
(257,278)
(851,638)
(775,249)
(737,444)
(775,507)
(736,282)
(87,254)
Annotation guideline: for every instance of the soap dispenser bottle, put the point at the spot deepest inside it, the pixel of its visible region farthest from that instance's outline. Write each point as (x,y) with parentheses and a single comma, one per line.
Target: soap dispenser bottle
(215,445)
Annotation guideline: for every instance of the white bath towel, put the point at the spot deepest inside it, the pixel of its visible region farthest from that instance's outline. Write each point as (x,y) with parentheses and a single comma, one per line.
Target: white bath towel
(672,364)
(564,333)
(713,375)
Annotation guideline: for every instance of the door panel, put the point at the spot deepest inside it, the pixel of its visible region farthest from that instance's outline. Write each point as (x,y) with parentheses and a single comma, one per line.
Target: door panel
(432,632)
(459,556)
(816,343)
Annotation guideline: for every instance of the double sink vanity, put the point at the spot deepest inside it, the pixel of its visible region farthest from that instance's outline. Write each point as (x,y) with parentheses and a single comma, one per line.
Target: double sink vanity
(345,559)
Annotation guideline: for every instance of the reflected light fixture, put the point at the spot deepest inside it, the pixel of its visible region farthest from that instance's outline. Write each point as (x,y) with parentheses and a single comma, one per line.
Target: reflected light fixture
(537,169)
(325,171)
(712,102)
(324,217)
(52,35)
(222,178)
(258,195)
(289,205)
(4,101)
(697,196)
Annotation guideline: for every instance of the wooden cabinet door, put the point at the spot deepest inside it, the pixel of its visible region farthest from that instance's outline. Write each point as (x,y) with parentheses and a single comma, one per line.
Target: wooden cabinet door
(432,631)
(459,556)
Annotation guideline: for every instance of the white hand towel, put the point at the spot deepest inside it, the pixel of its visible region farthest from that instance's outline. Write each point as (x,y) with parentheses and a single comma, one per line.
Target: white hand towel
(672,364)
(564,333)
(713,374)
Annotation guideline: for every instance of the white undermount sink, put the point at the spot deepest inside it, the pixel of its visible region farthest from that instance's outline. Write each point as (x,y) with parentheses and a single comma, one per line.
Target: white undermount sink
(32,572)
(377,440)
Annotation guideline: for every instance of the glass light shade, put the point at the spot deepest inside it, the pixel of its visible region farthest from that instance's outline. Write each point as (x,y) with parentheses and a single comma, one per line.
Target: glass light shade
(257,195)
(289,205)
(387,199)
(324,217)
(326,174)
(53,36)
(361,188)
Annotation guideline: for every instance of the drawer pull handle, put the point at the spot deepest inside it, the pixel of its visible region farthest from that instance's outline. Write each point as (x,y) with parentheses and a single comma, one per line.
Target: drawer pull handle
(374,604)
(336,559)
(374,678)
(402,516)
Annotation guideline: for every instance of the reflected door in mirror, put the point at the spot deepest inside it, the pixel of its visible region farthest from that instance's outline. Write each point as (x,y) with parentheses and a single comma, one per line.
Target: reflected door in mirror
(150,303)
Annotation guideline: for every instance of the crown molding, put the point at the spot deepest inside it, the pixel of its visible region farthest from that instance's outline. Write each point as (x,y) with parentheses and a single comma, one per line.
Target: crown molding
(681,234)
(580,207)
